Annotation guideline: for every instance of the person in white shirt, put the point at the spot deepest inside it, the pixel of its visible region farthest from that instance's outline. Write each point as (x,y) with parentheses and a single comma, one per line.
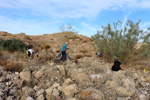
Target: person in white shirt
(30,53)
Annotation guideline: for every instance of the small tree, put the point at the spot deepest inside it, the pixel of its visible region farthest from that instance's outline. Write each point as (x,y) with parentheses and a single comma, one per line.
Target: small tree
(67,28)
(120,41)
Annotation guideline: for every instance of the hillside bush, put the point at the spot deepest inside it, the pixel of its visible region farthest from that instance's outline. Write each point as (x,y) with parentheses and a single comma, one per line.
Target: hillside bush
(119,41)
(13,45)
(13,67)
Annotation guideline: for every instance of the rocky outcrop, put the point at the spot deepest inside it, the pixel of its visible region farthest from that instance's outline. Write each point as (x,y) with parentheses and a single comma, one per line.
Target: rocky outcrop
(70,81)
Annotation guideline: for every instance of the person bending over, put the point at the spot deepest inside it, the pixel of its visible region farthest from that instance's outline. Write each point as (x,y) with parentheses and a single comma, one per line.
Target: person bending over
(30,53)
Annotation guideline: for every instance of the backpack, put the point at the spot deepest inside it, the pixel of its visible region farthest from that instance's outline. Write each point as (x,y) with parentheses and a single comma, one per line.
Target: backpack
(101,55)
(58,55)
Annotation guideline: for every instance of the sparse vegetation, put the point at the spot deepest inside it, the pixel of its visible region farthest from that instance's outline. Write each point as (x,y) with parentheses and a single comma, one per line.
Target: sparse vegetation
(46,47)
(13,67)
(119,41)
(13,45)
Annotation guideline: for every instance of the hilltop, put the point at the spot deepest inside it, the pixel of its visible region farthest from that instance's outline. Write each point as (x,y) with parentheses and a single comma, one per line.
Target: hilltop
(86,77)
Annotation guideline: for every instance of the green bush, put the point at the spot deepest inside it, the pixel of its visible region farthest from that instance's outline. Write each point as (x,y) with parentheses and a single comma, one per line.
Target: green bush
(13,45)
(118,41)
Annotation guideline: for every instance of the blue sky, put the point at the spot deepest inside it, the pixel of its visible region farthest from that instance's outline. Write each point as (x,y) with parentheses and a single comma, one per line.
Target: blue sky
(37,17)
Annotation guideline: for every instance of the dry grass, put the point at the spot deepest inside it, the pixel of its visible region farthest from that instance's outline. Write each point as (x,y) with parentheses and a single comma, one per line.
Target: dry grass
(46,47)
(13,67)
(83,51)
(46,58)
(3,62)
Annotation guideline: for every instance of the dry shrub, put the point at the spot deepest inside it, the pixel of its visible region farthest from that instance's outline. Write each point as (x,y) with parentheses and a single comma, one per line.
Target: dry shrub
(85,41)
(13,67)
(46,58)
(87,55)
(3,62)
(83,51)
(45,47)
(78,57)
(36,50)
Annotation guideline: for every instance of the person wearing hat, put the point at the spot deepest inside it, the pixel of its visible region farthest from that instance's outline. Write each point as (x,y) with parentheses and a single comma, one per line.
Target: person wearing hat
(63,52)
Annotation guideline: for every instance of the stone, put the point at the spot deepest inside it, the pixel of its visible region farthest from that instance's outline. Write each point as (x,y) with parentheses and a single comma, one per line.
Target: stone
(1,93)
(95,96)
(10,98)
(16,73)
(70,89)
(135,76)
(92,94)
(48,93)
(40,92)
(26,75)
(29,98)
(62,70)
(1,98)
(71,99)
(55,85)
(148,79)
(143,97)
(41,97)
(38,74)
(36,88)
(110,85)
(51,64)
(55,92)
(129,84)
(67,82)
(2,79)
(28,91)
(8,83)
(85,93)
(123,92)
(80,77)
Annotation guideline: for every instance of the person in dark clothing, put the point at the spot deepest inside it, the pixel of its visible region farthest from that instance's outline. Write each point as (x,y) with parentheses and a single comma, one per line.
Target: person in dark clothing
(116,66)
(63,52)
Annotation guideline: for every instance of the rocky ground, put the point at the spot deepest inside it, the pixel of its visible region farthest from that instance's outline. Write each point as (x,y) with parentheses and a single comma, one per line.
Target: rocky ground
(89,79)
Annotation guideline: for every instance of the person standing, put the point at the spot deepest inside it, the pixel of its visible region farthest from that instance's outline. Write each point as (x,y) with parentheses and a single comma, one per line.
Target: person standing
(63,52)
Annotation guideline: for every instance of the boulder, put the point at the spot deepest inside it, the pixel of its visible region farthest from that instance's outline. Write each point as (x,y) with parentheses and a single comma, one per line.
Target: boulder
(29,98)
(71,99)
(129,84)
(10,98)
(143,97)
(111,85)
(62,70)
(92,94)
(80,77)
(40,92)
(25,75)
(27,91)
(70,89)
(48,93)
(38,74)
(55,92)
(123,92)
(41,97)
(2,79)
(67,82)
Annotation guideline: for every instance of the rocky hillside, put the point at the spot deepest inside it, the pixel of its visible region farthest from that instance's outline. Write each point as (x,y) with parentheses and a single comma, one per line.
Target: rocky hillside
(87,78)
(55,41)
